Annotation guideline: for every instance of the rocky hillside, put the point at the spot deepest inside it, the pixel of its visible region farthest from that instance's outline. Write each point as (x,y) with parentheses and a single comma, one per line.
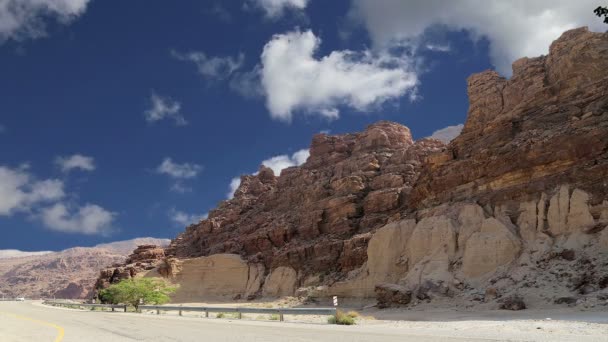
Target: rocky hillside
(515,207)
(67,274)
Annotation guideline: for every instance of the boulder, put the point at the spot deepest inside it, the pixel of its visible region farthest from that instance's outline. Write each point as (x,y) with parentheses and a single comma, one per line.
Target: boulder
(514,303)
(280,282)
(389,295)
(493,246)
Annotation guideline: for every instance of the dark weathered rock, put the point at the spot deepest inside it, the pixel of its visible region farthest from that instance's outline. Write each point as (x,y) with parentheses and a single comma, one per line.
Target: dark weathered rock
(389,295)
(514,303)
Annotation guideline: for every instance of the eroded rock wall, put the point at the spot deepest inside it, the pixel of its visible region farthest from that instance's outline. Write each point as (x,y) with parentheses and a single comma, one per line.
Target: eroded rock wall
(517,203)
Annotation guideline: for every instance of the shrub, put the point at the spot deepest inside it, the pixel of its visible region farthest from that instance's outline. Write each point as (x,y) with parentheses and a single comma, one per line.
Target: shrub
(341,318)
(353,314)
(220,315)
(274,317)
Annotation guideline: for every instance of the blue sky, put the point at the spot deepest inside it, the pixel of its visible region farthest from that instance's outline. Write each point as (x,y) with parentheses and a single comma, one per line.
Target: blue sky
(122,119)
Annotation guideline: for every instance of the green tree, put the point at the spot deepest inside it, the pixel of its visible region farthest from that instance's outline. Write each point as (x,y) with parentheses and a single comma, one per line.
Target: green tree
(138,290)
(602,12)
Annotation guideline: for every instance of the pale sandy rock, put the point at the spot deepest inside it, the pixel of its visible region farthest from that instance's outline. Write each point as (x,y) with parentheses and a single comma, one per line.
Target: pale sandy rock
(280,282)
(214,276)
(431,234)
(495,245)
(528,220)
(386,261)
(579,217)
(386,252)
(470,218)
(541,222)
(433,268)
(557,215)
(255,278)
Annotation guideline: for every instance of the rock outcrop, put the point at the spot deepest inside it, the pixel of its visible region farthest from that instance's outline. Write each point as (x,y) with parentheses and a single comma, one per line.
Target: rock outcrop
(514,207)
(70,273)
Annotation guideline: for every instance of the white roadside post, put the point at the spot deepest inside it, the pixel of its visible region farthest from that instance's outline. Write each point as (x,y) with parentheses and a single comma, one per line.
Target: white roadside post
(336,306)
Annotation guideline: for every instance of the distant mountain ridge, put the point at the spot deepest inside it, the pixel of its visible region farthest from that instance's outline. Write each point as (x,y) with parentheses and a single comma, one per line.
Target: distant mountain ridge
(70,273)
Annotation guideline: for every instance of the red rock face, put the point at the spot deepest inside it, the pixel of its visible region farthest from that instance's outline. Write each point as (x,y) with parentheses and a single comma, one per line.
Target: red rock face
(503,182)
(316,217)
(547,125)
(144,257)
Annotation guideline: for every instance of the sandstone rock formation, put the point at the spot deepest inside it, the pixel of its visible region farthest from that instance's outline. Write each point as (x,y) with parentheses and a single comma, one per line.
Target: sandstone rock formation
(517,205)
(67,274)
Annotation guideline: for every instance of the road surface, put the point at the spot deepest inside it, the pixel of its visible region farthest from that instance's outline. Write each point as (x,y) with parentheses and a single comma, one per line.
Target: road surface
(30,321)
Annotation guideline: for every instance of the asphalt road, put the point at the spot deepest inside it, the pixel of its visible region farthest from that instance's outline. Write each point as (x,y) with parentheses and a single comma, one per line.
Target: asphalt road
(28,321)
(32,321)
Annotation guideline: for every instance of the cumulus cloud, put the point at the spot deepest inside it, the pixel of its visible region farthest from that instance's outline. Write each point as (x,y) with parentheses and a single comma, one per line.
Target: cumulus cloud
(448,133)
(212,67)
(514,29)
(277,164)
(283,161)
(164,108)
(179,171)
(22,19)
(20,191)
(76,161)
(234,185)
(89,219)
(44,200)
(276,8)
(294,79)
(185,219)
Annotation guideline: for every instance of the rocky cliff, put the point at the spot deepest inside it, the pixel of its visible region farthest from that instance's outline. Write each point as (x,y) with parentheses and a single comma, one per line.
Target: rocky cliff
(69,273)
(517,205)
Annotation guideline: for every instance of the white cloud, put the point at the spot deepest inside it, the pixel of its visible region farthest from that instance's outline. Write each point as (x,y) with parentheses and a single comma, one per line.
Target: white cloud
(180,187)
(234,185)
(89,219)
(448,133)
(283,161)
(185,219)
(22,19)
(247,84)
(178,171)
(514,28)
(438,47)
(294,79)
(19,191)
(212,67)
(76,161)
(164,108)
(276,8)
(277,164)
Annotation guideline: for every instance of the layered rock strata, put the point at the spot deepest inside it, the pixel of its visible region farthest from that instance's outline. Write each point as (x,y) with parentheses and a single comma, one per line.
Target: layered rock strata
(515,207)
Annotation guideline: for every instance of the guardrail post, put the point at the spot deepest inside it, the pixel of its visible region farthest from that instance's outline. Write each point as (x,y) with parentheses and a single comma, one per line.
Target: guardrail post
(157,311)
(240,315)
(206,314)
(180,312)
(281,317)
(125,308)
